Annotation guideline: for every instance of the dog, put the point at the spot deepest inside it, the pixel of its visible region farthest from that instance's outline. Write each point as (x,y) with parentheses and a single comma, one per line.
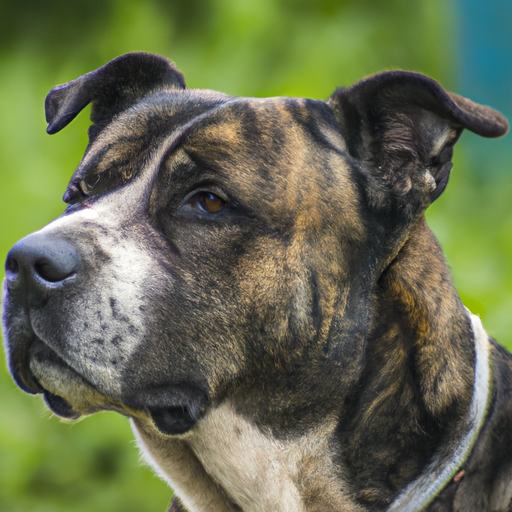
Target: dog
(252,282)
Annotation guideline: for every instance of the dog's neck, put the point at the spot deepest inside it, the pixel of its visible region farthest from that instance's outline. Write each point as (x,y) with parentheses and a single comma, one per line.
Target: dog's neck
(420,319)
(418,383)
(412,399)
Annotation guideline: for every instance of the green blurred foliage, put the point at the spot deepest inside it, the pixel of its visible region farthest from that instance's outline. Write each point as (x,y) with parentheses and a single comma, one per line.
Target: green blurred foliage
(241,47)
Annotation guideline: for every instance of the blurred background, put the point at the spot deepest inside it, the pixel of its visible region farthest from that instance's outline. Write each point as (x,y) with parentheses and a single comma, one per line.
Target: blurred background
(249,48)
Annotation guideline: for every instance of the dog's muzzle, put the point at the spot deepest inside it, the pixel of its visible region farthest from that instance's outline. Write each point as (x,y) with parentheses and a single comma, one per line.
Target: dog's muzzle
(44,273)
(36,267)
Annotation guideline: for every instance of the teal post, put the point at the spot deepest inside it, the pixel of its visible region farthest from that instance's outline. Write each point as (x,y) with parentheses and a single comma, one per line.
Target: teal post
(485,71)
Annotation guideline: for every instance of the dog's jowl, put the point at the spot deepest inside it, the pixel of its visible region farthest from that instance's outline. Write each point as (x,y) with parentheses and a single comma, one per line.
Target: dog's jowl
(252,282)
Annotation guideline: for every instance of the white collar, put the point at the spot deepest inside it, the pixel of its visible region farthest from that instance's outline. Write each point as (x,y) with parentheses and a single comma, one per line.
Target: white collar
(422,491)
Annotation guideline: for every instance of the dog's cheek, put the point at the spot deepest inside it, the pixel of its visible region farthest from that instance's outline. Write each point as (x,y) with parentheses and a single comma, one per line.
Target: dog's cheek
(195,320)
(190,342)
(285,301)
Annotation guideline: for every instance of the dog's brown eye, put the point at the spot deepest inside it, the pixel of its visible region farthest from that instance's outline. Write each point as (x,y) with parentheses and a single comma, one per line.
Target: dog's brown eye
(207,202)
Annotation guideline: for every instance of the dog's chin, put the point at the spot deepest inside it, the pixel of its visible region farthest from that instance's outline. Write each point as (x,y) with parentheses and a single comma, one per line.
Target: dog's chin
(173,420)
(173,408)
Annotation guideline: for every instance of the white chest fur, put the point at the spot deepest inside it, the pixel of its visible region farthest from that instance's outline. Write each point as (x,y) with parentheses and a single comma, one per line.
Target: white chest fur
(227,460)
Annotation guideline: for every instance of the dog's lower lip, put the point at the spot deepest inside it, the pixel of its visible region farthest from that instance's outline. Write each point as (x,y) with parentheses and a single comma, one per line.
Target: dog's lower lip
(60,406)
(55,403)
(38,389)
(26,381)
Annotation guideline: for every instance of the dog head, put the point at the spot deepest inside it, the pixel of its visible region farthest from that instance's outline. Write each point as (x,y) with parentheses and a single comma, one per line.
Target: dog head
(215,245)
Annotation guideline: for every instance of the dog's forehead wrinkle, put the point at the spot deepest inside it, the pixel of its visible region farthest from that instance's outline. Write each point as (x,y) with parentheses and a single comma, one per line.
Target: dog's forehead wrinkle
(126,201)
(266,153)
(120,152)
(100,160)
(186,96)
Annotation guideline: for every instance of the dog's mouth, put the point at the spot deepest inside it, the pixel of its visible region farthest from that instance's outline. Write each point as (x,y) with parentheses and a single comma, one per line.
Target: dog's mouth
(66,393)
(173,409)
(58,405)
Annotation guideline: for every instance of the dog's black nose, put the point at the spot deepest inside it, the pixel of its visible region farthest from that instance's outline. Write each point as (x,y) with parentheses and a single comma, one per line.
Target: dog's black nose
(41,260)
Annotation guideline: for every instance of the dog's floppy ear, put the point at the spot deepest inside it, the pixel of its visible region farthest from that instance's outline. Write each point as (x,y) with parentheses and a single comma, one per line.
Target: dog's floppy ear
(111,89)
(403,126)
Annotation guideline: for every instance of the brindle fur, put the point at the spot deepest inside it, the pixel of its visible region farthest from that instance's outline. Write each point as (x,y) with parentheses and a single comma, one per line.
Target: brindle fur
(303,349)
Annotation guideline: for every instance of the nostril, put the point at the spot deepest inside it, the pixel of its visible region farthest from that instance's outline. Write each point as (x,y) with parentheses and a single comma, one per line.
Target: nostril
(53,271)
(12,266)
(39,260)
